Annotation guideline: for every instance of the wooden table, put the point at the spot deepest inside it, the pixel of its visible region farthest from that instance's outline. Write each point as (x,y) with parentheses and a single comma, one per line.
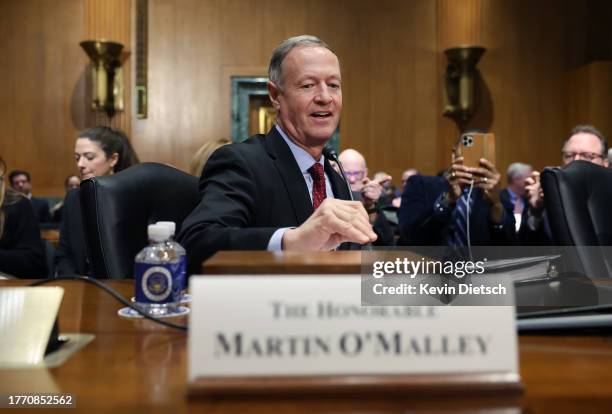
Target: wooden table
(138,366)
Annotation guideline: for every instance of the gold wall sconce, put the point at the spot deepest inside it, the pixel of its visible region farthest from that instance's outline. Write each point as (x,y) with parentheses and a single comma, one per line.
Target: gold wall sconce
(107,75)
(460,79)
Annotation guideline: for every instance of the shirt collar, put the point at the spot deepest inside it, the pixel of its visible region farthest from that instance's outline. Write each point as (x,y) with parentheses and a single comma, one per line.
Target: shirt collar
(303,158)
(512,195)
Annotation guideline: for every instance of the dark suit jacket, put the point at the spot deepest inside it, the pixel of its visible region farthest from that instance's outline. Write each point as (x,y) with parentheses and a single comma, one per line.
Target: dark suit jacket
(504,196)
(420,225)
(22,252)
(71,254)
(41,210)
(249,190)
(541,236)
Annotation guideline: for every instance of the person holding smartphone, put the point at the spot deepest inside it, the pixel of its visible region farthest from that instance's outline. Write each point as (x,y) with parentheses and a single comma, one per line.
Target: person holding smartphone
(461,207)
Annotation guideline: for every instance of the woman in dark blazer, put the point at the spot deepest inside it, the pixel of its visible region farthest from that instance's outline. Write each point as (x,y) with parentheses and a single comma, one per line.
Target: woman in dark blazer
(98,151)
(22,252)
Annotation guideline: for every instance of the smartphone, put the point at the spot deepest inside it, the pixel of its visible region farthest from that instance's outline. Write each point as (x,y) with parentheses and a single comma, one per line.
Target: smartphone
(474,146)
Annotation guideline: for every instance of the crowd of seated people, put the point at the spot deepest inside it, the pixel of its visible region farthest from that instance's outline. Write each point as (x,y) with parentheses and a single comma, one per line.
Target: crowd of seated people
(48,216)
(432,211)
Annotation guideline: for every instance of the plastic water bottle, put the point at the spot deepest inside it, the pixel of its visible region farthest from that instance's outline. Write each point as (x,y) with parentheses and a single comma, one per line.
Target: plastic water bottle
(157,273)
(182,258)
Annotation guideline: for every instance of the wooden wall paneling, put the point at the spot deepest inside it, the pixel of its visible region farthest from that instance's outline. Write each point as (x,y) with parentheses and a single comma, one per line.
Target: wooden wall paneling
(590,97)
(391,85)
(42,89)
(525,69)
(8,151)
(183,53)
(459,23)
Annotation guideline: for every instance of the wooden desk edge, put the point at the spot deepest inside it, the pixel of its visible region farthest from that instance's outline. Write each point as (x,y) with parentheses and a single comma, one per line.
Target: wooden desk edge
(264,262)
(507,383)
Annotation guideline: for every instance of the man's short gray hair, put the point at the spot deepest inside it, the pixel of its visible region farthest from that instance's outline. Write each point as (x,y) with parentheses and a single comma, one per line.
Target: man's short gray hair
(282,50)
(518,169)
(589,129)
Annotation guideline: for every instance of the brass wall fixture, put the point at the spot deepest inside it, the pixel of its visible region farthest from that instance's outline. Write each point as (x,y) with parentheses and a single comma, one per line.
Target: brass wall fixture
(107,76)
(460,79)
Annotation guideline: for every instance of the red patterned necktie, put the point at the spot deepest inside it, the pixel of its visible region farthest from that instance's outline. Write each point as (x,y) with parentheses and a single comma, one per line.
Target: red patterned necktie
(318,184)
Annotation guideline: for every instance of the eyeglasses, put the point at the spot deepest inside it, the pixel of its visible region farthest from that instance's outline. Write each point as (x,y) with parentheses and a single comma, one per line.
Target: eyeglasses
(358,175)
(587,156)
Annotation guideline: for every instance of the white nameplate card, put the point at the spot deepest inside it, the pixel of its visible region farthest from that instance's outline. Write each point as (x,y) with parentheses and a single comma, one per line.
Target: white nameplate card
(283,326)
(27,315)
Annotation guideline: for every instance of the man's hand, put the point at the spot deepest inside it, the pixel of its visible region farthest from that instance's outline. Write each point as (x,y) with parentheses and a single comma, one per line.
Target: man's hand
(334,222)
(372,190)
(487,177)
(458,176)
(533,190)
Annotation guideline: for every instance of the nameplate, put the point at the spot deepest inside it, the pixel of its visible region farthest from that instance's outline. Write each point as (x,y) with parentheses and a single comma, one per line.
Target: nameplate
(27,315)
(309,326)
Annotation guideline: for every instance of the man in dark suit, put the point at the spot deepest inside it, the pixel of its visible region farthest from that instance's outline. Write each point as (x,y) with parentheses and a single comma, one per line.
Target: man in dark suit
(278,192)
(514,194)
(585,143)
(433,210)
(20,181)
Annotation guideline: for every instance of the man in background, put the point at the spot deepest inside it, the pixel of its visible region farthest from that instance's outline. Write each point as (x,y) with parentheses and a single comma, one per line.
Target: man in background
(405,177)
(70,183)
(369,192)
(586,143)
(458,209)
(514,193)
(20,181)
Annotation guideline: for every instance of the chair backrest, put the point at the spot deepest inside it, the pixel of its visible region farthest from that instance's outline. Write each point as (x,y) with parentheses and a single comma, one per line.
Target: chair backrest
(578,200)
(118,208)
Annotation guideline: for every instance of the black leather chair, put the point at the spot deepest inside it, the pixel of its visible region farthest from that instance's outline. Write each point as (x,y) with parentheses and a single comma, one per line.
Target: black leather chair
(578,201)
(118,208)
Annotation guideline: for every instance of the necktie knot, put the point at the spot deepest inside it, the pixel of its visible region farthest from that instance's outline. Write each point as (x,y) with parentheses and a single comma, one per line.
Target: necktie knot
(316,171)
(318,184)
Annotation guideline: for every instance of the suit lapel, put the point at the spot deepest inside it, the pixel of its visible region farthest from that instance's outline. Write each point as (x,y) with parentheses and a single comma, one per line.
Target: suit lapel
(290,173)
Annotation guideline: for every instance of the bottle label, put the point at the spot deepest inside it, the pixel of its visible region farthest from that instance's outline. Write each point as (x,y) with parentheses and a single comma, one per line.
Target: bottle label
(157,283)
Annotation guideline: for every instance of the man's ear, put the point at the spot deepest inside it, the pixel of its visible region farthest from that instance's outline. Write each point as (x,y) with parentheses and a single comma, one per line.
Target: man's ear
(274,92)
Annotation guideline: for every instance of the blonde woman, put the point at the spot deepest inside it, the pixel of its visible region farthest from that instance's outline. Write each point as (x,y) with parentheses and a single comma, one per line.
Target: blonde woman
(199,159)
(22,252)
